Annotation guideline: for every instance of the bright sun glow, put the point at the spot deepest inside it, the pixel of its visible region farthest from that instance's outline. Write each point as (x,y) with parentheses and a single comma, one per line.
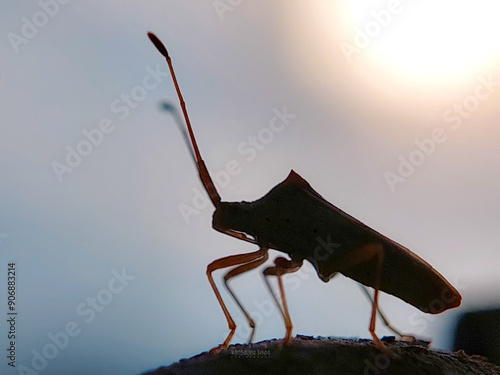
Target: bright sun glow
(428,38)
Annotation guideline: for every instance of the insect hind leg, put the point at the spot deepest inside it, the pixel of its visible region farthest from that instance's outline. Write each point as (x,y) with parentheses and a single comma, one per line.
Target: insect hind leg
(382,316)
(282,266)
(367,253)
(236,271)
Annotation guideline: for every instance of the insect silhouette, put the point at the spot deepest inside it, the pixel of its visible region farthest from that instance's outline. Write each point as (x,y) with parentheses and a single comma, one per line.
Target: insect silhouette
(294,219)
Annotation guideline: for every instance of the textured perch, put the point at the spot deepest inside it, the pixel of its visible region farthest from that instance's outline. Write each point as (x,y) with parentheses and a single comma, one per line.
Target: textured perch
(307,355)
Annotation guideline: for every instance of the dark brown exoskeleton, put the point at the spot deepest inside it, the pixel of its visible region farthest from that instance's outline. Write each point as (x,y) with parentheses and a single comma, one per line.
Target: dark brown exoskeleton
(295,219)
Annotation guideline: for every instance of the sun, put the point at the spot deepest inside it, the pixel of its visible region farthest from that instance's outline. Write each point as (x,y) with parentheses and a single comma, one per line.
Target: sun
(426,38)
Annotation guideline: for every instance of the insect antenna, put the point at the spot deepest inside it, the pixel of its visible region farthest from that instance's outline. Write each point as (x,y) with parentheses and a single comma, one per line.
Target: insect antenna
(175,114)
(202,169)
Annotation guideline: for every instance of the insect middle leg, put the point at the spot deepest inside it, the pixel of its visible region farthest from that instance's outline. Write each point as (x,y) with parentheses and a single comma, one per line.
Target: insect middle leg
(236,271)
(232,260)
(282,266)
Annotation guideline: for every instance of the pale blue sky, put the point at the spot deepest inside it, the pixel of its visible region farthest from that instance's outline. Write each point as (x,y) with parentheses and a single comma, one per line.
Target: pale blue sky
(119,207)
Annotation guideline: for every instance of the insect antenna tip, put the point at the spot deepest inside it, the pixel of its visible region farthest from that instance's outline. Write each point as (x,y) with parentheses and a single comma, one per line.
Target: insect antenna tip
(158,44)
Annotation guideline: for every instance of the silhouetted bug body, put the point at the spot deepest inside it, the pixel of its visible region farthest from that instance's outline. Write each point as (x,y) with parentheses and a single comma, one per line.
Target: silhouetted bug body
(294,219)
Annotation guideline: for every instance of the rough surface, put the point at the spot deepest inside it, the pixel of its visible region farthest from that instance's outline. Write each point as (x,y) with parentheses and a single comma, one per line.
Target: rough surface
(478,332)
(308,355)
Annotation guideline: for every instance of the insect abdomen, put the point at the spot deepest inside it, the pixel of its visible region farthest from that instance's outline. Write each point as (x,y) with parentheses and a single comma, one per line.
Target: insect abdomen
(410,278)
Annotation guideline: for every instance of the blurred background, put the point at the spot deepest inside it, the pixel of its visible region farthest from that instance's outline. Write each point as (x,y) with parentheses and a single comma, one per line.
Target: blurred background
(392,117)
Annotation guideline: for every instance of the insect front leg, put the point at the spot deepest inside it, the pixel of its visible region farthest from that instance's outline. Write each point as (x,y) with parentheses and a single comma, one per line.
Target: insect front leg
(236,271)
(282,266)
(232,260)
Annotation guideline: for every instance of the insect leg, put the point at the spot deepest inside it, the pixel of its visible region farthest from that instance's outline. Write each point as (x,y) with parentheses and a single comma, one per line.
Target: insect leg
(283,266)
(380,313)
(229,261)
(361,255)
(385,320)
(236,271)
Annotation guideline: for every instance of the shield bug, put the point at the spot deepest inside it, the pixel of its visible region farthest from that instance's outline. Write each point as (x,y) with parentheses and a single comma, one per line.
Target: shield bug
(294,219)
